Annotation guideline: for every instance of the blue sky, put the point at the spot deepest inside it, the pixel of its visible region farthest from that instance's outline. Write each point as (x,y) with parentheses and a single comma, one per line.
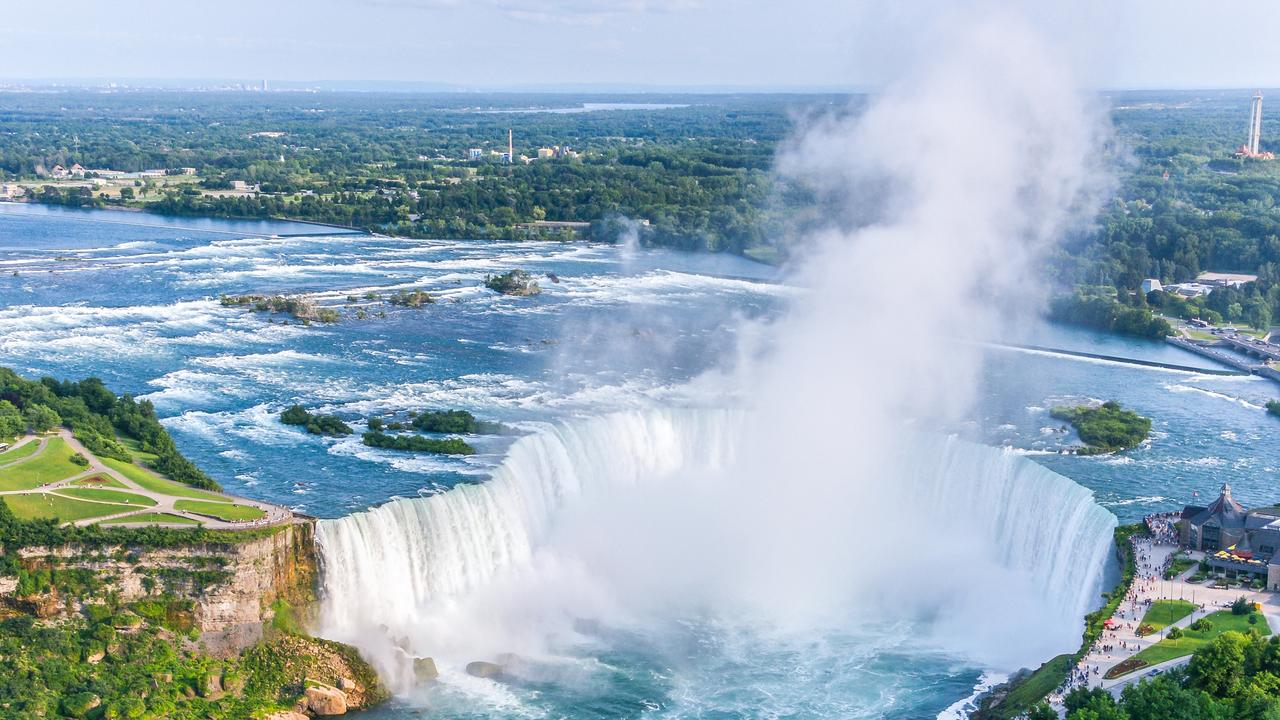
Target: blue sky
(616,43)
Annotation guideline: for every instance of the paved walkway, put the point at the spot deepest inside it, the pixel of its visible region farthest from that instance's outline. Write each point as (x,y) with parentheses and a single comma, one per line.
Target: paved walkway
(23,441)
(1149,585)
(275,514)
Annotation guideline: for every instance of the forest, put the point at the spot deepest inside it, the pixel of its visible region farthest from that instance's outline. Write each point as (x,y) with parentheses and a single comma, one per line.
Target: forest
(697,175)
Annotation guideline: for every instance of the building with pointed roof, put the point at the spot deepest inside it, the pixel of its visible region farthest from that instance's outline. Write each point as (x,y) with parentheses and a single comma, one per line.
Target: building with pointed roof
(1234,540)
(1212,528)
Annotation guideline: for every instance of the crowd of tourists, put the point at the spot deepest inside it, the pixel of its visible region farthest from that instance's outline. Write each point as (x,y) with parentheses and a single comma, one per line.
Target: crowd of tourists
(1148,571)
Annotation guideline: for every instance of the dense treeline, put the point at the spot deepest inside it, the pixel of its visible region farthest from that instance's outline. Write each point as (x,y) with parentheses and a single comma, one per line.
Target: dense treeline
(1185,205)
(698,174)
(1107,313)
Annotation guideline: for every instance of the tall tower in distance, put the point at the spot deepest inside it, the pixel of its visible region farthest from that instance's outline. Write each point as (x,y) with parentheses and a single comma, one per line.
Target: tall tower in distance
(1252,148)
(511,154)
(1255,123)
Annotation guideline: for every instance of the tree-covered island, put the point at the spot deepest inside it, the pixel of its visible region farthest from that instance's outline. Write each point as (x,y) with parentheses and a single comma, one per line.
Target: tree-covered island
(1105,428)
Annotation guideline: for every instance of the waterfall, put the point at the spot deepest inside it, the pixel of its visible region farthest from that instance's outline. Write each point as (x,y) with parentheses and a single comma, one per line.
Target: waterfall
(384,569)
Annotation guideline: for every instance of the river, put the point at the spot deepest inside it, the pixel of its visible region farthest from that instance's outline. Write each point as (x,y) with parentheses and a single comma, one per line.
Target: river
(617,335)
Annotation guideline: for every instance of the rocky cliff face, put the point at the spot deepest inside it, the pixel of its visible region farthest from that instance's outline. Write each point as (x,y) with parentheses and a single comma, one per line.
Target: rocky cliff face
(225,591)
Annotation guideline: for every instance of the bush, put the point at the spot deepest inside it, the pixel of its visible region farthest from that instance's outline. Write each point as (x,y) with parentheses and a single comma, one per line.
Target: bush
(1174,633)
(295,415)
(1203,625)
(417,443)
(80,460)
(1241,606)
(315,424)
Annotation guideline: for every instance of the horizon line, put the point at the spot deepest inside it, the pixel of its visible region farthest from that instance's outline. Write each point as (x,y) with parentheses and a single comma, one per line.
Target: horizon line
(434,87)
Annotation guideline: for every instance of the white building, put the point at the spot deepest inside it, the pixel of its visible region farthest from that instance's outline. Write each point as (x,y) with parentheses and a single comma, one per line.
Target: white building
(1150,284)
(1189,290)
(475,154)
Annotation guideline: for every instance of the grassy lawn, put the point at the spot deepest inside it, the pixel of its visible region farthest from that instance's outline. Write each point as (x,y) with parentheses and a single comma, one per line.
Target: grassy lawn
(151,517)
(1164,613)
(222,511)
(157,484)
(135,449)
(113,496)
(19,452)
(99,481)
(49,466)
(1192,640)
(44,505)
(1178,566)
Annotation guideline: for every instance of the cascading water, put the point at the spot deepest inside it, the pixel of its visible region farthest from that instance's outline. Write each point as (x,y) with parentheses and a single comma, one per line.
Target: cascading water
(397,578)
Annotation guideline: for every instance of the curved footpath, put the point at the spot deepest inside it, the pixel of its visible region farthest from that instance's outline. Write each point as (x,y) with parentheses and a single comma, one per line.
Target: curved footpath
(275,514)
(1149,585)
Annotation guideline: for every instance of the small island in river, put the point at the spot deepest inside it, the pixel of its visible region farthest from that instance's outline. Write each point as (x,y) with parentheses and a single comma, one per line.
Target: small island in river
(1105,428)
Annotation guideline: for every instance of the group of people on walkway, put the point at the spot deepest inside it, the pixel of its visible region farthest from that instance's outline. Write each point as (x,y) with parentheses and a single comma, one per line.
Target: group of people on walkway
(1119,639)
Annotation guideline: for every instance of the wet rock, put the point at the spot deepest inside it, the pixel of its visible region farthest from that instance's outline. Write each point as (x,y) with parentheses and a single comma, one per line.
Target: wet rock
(483,669)
(326,701)
(424,669)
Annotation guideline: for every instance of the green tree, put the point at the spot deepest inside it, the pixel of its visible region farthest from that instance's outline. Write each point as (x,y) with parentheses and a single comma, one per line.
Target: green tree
(1163,698)
(1217,667)
(41,418)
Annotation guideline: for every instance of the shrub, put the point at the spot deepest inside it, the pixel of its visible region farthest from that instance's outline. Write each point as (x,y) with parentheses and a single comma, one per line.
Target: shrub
(1174,633)
(1241,606)
(80,460)
(417,443)
(1203,625)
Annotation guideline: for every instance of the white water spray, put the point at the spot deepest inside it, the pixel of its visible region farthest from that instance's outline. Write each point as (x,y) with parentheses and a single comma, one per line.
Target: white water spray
(817,507)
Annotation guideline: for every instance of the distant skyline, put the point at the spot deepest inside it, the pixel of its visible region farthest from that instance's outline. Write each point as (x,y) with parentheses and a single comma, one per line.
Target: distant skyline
(613,45)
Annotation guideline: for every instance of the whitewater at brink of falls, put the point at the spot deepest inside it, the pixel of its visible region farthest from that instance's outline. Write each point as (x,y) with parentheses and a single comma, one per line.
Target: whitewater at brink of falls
(387,570)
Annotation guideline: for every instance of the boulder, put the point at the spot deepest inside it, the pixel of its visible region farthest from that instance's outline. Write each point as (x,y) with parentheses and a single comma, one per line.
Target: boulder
(483,669)
(211,688)
(424,669)
(326,701)
(346,684)
(96,656)
(286,715)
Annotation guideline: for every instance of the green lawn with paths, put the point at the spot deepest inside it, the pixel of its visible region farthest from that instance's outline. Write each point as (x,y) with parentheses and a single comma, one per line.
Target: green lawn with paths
(1193,640)
(156,484)
(1164,613)
(112,496)
(33,506)
(151,517)
(220,510)
(49,466)
(23,450)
